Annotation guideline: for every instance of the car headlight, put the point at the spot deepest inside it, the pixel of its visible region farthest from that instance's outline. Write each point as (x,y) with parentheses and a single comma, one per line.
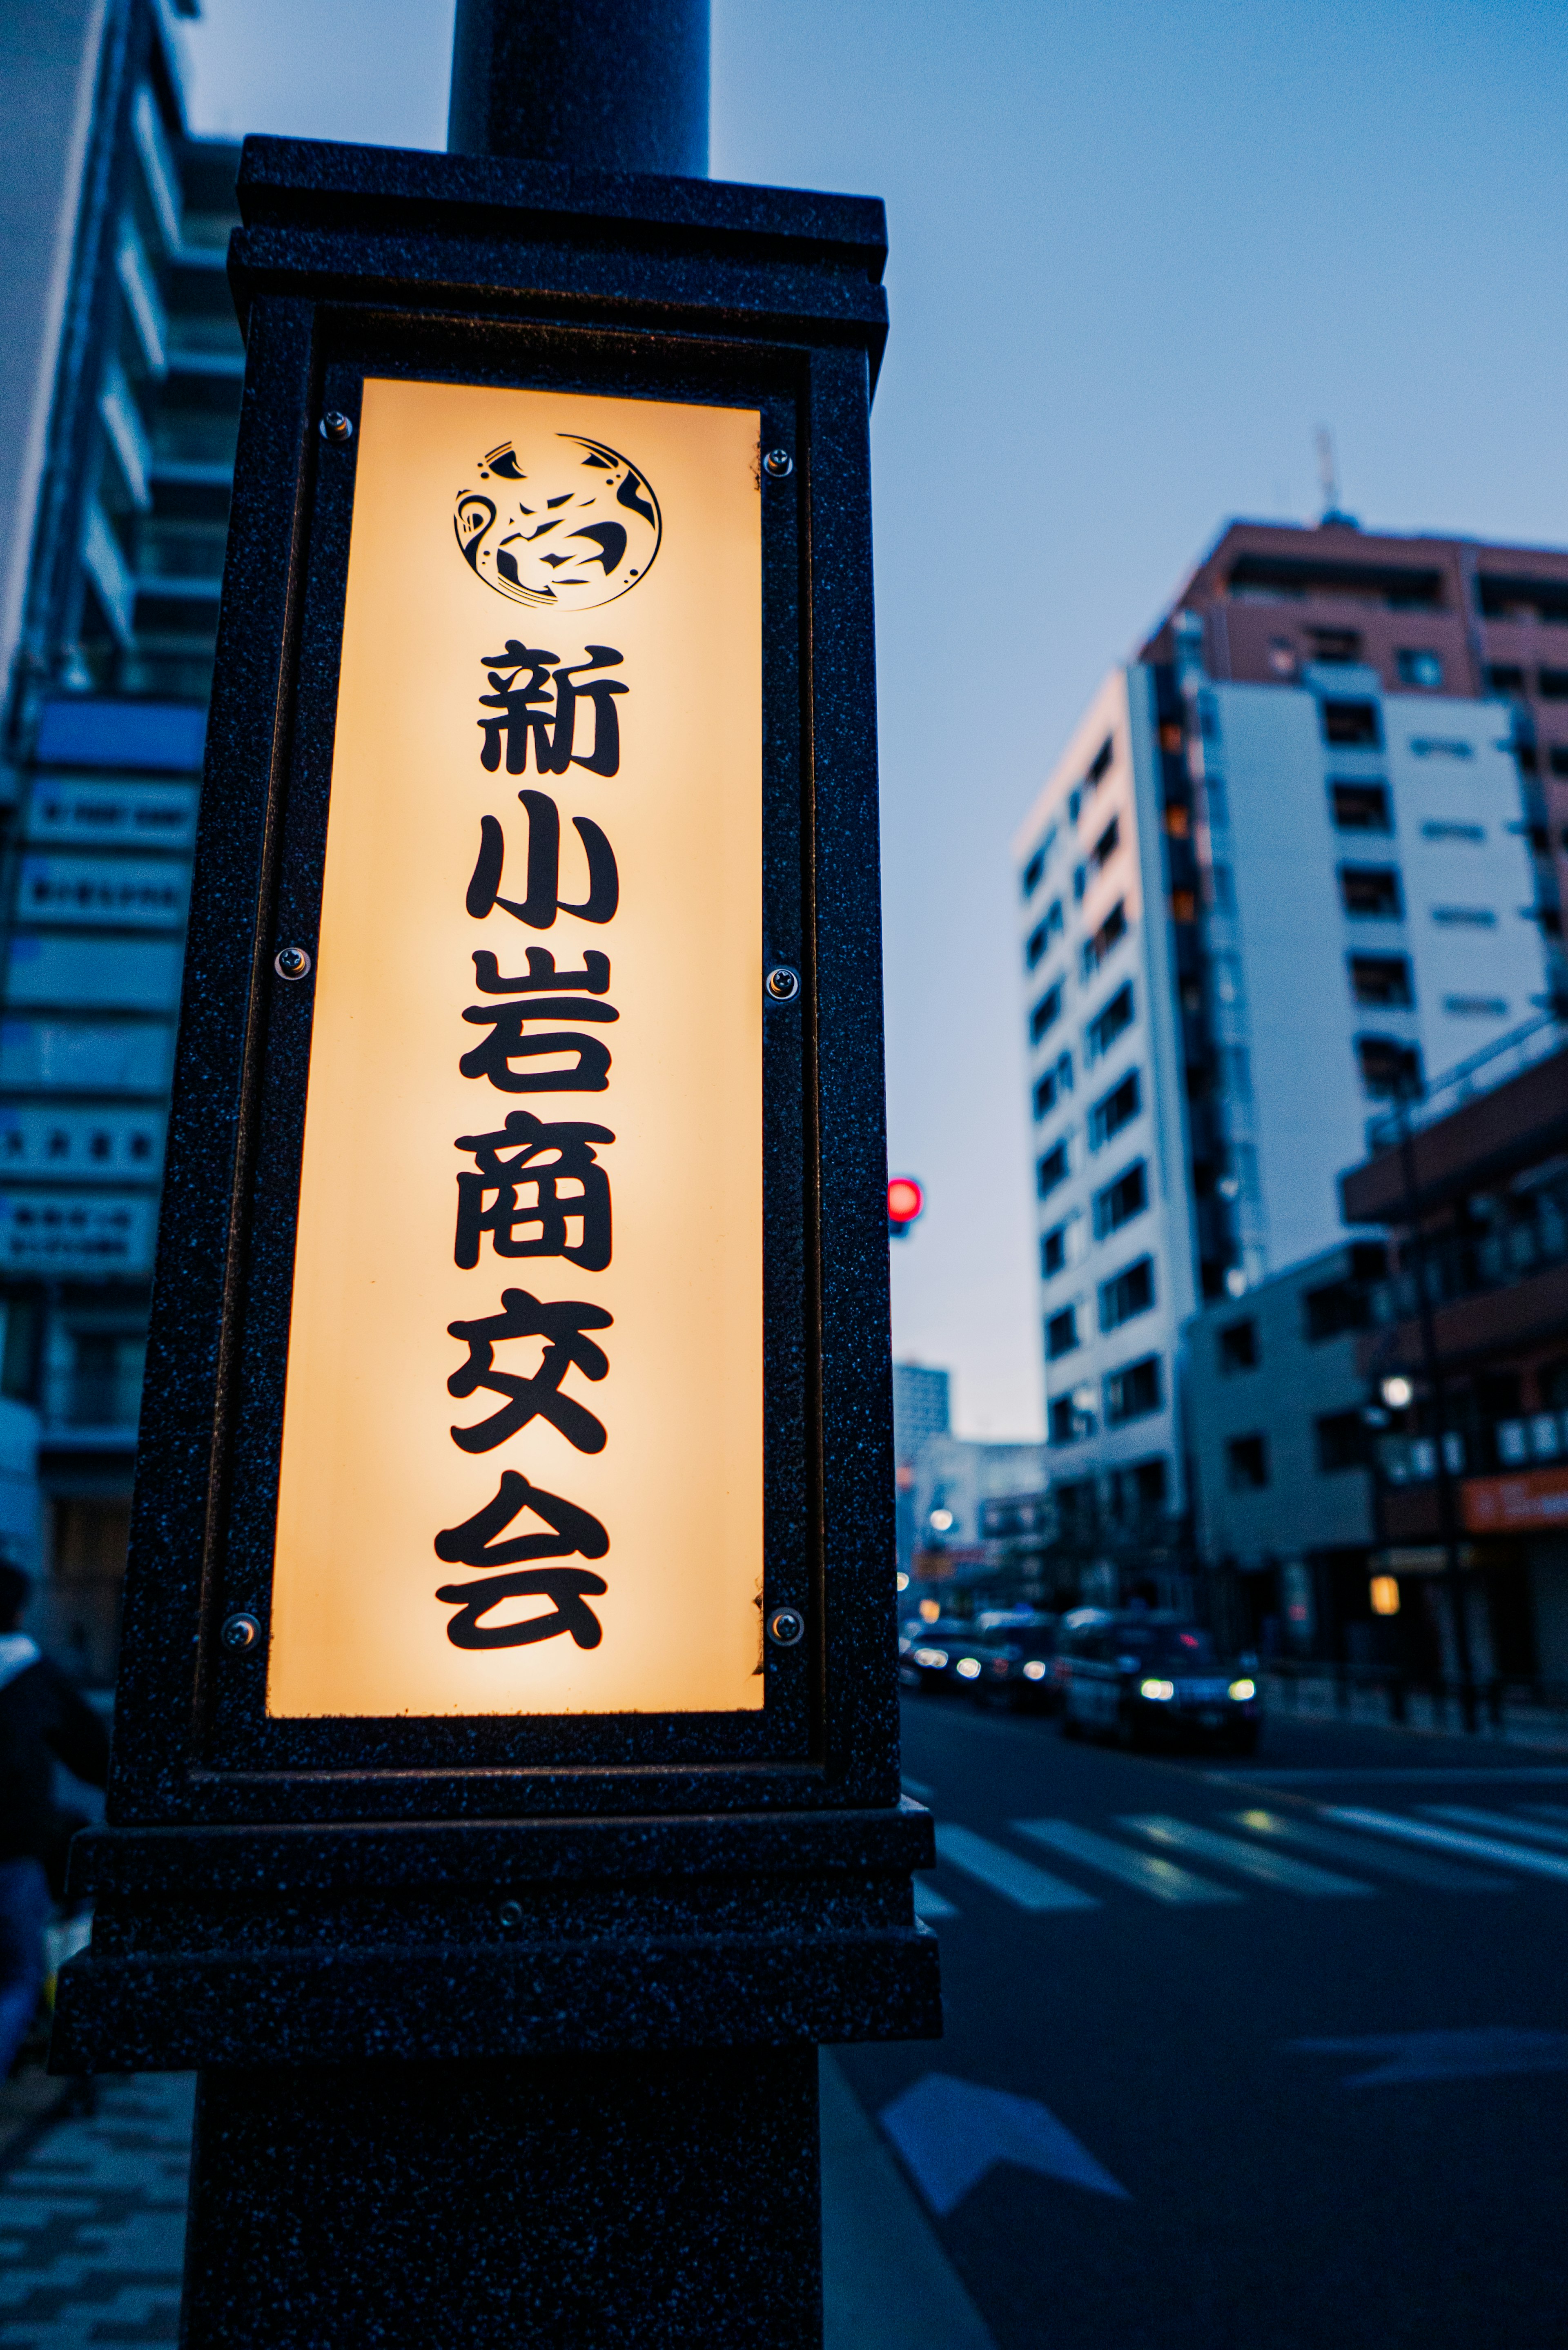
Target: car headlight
(1242,1691)
(931,1659)
(1034,1670)
(967,1668)
(1157,1689)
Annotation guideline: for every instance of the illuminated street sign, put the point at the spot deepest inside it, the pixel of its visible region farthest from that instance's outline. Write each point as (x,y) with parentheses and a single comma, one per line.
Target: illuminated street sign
(522,1466)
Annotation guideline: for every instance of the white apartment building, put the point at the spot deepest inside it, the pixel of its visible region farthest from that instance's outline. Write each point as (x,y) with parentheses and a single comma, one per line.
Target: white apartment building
(1249,912)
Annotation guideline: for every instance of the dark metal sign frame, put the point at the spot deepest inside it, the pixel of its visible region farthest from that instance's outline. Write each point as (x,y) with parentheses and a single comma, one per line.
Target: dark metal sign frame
(356,261)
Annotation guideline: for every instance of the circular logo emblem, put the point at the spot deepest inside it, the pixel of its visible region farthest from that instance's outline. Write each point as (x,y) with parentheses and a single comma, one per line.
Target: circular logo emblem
(563,525)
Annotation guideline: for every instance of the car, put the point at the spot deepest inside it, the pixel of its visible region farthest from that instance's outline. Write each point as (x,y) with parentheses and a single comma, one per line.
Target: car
(1152,1677)
(928,1653)
(1013,1659)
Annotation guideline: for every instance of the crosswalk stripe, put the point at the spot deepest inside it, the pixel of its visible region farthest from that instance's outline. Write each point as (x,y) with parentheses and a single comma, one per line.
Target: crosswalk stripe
(1463,1816)
(1479,1848)
(1546,1811)
(1161,1878)
(1016,1880)
(1276,1869)
(929,1903)
(1414,1867)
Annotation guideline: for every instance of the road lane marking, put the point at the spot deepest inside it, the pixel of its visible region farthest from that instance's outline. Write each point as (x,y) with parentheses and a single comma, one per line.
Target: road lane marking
(1016,1880)
(1162,1880)
(952,2132)
(1478,2054)
(1478,1847)
(1461,1815)
(1427,1775)
(1249,1860)
(929,1903)
(1416,1868)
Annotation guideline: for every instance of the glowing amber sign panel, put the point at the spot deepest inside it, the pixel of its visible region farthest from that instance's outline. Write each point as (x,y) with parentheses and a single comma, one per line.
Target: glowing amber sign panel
(522,1437)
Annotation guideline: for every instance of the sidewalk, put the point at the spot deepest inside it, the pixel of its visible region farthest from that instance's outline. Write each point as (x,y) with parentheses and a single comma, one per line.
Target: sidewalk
(92,2216)
(1319,1698)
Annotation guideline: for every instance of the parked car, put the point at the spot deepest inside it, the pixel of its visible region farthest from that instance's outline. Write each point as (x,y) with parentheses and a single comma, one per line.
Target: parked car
(1013,1654)
(1150,1678)
(929,1653)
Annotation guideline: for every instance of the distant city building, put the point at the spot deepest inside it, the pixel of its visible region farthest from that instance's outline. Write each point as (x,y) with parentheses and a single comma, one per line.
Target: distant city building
(1305,849)
(1281,1453)
(1478,1208)
(970,1500)
(920,1409)
(120,390)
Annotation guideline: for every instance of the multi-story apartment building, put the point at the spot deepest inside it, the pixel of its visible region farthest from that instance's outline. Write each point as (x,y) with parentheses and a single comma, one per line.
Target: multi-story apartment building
(120,382)
(1301,849)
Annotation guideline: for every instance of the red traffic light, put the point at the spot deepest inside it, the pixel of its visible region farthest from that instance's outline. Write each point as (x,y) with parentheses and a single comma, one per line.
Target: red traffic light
(905,1202)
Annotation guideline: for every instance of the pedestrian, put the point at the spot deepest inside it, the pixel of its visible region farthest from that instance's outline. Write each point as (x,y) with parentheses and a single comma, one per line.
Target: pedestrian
(42,1718)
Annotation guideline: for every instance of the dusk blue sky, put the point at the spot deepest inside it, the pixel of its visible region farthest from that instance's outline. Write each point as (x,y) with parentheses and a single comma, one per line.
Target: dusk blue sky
(1139,253)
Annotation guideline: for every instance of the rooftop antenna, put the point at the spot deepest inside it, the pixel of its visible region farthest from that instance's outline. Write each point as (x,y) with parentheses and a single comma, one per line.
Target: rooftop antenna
(1328,481)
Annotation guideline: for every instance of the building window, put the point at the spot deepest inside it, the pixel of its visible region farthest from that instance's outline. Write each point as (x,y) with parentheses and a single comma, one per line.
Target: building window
(1127,1295)
(1062,1245)
(1419,668)
(1342,1442)
(1067,1422)
(1120,1201)
(1105,848)
(1051,1171)
(1247,1463)
(1108,1024)
(1114,1110)
(1111,932)
(1337,1306)
(1453,832)
(1361,807)
(1505,677)
(1476,1007)
(1351,725)
(1056,1081)
(1336,646)
(1045,1012)
(1388,1067)
(1557,758)
(1133,1394)
(1034,871)
(1061,1333)
(1371,892)
(1381,979)
(1183,906)
(1474,917)
(1041,936)
(1238,1348)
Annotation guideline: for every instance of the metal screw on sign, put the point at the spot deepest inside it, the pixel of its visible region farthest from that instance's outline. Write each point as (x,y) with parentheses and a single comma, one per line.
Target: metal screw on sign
(784,985)
(337,427)
(509,1914)
(291,962)
(778,465)
(240,1632)
(786,1625)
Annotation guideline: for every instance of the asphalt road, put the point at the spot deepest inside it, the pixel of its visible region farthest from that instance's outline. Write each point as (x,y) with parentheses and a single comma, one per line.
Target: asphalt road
(1128,2137)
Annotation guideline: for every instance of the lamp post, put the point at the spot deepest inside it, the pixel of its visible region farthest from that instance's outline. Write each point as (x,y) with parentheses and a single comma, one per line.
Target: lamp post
(505,1797)
(1432,1376)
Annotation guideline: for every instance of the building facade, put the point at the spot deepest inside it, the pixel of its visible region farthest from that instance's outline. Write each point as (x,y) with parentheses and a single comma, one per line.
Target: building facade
(1472,1196)
(921,1408)
(124,386)
(1275,1402)
(1286,864)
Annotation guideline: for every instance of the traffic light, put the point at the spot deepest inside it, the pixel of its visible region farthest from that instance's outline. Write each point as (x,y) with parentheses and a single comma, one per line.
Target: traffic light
(905,1202)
